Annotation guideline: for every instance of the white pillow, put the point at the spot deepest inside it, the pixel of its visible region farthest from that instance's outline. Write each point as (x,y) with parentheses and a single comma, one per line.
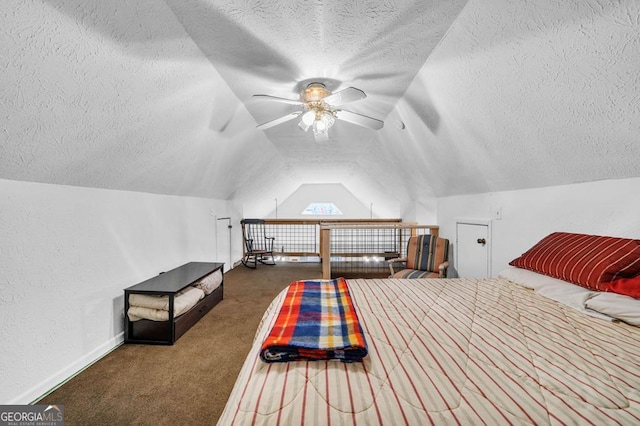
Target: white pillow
(624,308)
(568,294)
(529,279)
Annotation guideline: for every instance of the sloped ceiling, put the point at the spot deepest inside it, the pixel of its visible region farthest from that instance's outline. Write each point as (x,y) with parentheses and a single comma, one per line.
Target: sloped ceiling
(477,96)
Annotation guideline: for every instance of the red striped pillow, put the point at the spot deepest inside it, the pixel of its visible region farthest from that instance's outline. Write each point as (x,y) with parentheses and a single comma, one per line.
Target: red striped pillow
(590,261)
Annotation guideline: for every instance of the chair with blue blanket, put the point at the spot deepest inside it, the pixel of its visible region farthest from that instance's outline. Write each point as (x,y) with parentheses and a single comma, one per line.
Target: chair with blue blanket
(427,257)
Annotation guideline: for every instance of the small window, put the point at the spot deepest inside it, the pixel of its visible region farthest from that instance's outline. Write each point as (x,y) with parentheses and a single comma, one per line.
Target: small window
(322,209)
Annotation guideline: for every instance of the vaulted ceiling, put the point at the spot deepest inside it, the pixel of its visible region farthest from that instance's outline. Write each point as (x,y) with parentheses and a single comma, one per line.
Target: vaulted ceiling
(476,96)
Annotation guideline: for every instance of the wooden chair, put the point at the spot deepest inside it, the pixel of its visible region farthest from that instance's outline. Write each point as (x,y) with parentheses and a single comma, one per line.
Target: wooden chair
(427,257)
(257,246)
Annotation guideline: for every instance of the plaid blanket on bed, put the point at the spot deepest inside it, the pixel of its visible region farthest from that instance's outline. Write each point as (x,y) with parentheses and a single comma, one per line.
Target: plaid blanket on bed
(317,321)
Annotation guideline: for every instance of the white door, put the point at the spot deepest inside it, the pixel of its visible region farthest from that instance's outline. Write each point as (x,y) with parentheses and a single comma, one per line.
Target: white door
(472,245)
(223,242)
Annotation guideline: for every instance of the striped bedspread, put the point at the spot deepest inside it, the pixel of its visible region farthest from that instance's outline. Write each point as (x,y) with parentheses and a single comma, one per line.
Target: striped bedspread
(452,351)
(317,321)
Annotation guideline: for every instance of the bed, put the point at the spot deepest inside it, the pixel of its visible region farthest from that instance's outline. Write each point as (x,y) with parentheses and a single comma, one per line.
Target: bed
(523,348)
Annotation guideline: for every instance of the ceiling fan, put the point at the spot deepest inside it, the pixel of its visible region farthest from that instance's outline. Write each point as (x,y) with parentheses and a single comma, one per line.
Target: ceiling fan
(321,108)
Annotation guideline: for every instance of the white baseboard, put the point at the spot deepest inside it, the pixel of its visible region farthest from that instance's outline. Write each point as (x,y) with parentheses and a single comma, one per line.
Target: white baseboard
(50,384)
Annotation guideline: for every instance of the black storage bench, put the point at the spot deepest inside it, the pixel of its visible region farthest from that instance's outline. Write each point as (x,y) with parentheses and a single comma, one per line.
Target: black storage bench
(169,284)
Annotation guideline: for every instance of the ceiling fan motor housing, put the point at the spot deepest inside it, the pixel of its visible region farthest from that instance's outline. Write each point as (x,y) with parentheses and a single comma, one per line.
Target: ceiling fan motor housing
(314,92)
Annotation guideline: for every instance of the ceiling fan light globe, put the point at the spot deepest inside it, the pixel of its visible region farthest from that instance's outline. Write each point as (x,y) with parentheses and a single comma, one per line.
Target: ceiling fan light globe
(308,118)
(328,119)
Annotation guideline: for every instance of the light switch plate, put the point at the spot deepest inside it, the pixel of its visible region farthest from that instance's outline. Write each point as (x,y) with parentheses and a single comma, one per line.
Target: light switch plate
(497,213)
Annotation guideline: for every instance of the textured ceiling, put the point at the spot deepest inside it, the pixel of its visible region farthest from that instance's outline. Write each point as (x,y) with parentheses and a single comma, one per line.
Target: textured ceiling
(477,96)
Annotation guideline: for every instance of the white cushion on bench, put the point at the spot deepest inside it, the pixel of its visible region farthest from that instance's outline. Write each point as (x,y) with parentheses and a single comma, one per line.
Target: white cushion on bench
(156,308)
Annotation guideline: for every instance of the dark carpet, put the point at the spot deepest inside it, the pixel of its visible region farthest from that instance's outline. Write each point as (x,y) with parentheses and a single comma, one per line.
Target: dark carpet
(187,383)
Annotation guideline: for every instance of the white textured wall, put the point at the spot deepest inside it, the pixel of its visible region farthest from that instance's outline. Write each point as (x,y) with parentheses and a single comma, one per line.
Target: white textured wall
(354,198)
(67,253)
(336,193)
(120,86)
(423,211)
(609,207)
(156,95)
(522,94)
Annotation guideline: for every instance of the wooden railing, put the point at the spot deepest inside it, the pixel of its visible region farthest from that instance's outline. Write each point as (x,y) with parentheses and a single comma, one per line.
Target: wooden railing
(331,239)
(326,251)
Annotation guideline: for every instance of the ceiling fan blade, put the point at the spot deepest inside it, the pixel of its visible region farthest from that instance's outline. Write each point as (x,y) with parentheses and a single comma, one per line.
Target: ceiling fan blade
(360,120)
(280,120)
(347,95)
(277,99)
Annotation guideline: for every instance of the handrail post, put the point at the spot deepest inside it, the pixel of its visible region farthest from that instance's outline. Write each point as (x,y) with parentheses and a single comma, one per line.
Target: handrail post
(325,255)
